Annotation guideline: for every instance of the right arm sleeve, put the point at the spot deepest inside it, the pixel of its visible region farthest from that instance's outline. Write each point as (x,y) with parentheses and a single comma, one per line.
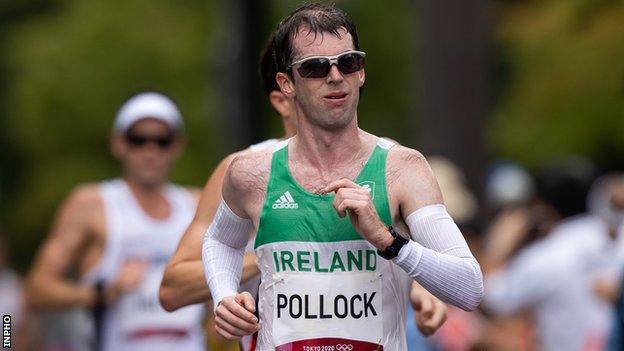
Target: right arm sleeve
(440,260)
(223,250)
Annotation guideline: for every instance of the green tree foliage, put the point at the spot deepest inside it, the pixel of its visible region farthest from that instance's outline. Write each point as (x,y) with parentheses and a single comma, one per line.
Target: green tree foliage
(69,69)
(564,93)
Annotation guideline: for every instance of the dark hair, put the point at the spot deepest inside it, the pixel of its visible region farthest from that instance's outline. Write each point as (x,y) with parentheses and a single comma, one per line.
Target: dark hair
(268,67)
(318,18)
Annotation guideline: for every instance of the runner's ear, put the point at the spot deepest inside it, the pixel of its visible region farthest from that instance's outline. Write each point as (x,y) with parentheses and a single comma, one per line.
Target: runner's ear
(280,103)
(362,77)
(286,84)
(117,146)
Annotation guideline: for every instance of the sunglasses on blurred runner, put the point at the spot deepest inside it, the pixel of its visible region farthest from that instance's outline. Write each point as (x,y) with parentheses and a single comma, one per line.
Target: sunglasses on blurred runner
(319,66)
(137,140)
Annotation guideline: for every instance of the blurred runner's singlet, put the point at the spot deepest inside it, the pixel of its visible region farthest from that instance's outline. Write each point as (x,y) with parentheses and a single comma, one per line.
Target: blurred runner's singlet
(136,321)
(323,286)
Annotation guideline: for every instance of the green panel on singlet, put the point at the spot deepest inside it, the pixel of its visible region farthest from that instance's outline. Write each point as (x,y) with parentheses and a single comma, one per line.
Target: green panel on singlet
(290,213)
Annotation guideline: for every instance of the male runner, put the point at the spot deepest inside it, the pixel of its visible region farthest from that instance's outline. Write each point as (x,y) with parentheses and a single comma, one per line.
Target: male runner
(118,235)
(184,283)
(329,282)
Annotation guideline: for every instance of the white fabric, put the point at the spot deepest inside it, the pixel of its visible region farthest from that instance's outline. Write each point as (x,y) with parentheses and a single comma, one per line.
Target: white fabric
(439,258)
(263,145)
(148,105)
(394,291)
(12,302)
(223,250)
(386,143)
(65,329)
(136,321)
(555,277)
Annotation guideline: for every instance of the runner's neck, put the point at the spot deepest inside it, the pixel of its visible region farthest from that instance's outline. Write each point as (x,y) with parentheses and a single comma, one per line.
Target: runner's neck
(325,149)
(151,199)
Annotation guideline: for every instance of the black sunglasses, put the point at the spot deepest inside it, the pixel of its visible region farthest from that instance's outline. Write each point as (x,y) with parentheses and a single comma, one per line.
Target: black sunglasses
(319,66)
(137,140)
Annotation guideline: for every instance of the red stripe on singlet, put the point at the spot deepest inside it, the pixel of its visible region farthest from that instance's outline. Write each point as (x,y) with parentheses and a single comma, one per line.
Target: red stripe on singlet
(149,332)
(254,341)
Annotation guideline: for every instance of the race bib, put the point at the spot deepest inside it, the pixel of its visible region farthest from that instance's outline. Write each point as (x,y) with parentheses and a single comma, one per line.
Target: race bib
(327,312)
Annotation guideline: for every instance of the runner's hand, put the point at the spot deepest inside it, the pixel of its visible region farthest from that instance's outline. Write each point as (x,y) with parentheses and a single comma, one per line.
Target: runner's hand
(430,311)
(357,202)
(130,275)
(234,317)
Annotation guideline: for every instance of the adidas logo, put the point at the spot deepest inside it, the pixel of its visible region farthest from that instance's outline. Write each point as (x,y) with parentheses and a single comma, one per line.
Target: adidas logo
(285,201)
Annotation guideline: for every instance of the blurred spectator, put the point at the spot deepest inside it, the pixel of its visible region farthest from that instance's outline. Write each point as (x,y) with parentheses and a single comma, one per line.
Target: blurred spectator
(11,301)
(459,200)
(616,339)
(553,273)
(508,184)
(118,236)
(462,329)
(566,183)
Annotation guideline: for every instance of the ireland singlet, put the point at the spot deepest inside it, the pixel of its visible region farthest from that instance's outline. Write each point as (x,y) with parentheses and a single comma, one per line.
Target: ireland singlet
(136,321)
(323,286)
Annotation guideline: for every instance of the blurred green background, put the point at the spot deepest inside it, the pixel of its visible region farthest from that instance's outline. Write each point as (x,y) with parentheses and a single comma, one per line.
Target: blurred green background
(555,86)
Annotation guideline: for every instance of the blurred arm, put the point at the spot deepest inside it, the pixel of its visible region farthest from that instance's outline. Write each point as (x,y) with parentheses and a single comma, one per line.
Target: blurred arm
(184,282)
(47,285)
(505,235)
(430,313)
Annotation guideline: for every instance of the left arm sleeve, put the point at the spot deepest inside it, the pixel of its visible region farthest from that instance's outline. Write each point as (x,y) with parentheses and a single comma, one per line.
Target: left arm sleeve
(222,252)
(440,260)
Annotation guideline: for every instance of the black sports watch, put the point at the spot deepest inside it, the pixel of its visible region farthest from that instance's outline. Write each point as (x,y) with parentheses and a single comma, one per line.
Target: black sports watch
(393,250)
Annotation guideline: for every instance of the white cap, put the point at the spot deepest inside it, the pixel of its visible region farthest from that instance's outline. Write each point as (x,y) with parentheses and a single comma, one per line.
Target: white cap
(148,105)
(508,183)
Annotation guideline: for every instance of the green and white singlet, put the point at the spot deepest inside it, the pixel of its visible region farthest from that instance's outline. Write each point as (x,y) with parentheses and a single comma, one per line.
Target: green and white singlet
(323,286)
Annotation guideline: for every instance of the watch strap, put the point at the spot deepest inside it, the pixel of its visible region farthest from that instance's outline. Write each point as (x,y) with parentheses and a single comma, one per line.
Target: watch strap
(392,251)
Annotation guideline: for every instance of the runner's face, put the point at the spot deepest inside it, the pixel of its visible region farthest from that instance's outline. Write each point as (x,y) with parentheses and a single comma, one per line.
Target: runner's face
(148,151)
(330,102)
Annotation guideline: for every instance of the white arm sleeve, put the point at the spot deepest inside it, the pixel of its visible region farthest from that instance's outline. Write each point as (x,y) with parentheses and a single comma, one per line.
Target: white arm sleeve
(223,250)
(440,260)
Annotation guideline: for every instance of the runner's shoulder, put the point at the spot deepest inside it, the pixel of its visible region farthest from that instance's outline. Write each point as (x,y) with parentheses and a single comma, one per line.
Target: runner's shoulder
(86,194)
(84,199)
(401,156)
(406,166)
(250,169)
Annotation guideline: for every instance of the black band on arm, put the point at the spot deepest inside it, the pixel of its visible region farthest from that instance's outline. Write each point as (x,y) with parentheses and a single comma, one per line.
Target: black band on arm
(393,250)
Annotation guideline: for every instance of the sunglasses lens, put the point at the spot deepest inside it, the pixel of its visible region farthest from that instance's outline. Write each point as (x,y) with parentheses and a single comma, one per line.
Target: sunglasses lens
(350,63)
(139,140)
(164,142)
(314,68)
(136,140)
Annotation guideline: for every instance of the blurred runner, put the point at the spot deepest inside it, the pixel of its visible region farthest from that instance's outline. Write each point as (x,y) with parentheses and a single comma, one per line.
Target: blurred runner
(118,235)
(322,279)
